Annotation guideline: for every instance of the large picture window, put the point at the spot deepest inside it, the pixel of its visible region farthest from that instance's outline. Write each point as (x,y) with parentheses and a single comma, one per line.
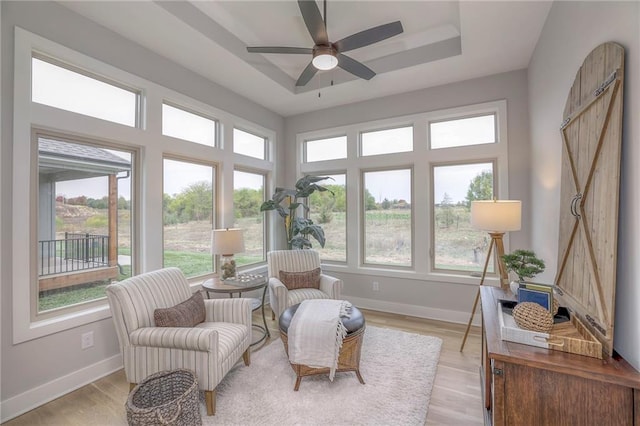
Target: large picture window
(387,217)
(188,211)
(458,246)
(330,212)
(248,195)
(84,220)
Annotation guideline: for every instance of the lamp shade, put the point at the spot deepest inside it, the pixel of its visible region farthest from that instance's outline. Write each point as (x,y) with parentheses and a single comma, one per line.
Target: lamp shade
(496,215)
(227,241)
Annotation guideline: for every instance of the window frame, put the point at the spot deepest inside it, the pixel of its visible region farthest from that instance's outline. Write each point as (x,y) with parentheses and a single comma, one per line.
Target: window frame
(265,223)
(432,242)
(150,146)
(265,145)
(190,110)
(98,77)
(363,234)
(421,159)
(214,201)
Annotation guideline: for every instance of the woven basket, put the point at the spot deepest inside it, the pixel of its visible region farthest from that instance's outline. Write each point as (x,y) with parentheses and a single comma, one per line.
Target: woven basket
(165,398)
(532,316)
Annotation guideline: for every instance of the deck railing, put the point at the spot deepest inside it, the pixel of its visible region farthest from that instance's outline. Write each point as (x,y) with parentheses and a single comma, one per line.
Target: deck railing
(76,252)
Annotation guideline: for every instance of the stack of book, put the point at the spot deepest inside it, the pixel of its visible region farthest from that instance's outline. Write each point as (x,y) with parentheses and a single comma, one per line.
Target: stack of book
(541,294)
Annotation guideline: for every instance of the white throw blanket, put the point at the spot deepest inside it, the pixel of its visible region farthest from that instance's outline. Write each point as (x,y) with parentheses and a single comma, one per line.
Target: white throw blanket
(316,332)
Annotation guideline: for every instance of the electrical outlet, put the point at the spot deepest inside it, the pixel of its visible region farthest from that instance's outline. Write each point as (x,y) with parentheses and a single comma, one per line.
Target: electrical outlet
(86,340)
(376,286)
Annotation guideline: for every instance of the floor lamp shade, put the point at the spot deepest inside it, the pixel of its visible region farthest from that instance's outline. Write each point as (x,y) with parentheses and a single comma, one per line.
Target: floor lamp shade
(496,215)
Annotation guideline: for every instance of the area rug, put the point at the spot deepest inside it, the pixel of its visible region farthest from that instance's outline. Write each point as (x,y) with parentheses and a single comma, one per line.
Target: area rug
(398,368)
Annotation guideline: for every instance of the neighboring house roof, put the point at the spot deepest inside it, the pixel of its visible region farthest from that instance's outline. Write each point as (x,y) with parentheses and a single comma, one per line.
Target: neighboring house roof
(62,160)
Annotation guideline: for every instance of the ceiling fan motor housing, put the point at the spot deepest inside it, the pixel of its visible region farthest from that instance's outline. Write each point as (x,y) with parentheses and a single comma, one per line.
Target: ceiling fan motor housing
(324,57)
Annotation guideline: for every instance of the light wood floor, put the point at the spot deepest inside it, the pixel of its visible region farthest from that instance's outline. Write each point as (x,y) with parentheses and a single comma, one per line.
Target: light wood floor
(455,399)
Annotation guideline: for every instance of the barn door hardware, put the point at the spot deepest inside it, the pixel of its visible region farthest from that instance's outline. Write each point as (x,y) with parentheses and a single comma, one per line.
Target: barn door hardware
(574,205)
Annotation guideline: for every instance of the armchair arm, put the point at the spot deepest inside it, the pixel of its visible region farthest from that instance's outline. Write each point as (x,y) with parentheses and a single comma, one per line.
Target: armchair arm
(277,296)
(331,285)
(195,339)
(228,310)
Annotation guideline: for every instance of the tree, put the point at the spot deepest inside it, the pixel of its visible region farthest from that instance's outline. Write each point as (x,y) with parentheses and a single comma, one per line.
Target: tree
(386,204)
(446,210)
(369,201)
(246,202)
(480,187)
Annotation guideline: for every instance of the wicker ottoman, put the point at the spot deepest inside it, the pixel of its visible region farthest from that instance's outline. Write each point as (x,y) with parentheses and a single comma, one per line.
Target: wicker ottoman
(349,358)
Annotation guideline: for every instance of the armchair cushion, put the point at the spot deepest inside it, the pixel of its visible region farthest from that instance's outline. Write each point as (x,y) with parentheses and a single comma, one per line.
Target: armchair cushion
(296,280)
(185,314)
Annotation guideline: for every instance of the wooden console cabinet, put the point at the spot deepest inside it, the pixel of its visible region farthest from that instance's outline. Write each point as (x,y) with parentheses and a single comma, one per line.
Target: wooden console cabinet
(527,385)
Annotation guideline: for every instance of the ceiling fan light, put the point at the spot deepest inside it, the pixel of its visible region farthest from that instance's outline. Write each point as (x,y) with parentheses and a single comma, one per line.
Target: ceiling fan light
(324,58)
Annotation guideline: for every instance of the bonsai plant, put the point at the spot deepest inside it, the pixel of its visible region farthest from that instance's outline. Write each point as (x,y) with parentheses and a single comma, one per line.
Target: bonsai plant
(287,201)
(523,263)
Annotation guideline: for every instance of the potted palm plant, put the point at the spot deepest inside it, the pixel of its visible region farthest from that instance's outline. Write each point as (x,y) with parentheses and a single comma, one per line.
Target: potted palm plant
(286,202)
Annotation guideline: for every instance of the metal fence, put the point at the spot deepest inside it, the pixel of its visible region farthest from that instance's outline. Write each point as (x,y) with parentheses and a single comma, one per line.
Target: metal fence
(76,252)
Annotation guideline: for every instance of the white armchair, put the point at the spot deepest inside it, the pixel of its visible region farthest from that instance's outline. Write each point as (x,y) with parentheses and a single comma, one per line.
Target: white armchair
(280,297)
(209,348)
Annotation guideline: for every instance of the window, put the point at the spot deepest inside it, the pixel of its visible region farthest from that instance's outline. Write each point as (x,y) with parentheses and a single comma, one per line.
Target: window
(330,212)
(386,141)
(84,220)
(181,124)
(325,149)
(387,217)
(463,131)
(69,90)
(249,144)
(248,195)
(188,207)
(458,246)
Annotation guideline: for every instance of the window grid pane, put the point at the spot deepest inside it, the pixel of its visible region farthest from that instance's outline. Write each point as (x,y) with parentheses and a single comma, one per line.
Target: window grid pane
(388,222)
(248,196)
(79,253)
(325,149)
(249,144)
(62,88)
(458,246)
(463,132)
(387,141)
(330,212)
(191,127)
(188,216)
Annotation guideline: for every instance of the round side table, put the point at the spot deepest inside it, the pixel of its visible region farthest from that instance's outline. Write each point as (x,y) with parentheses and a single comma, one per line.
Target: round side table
(215,285)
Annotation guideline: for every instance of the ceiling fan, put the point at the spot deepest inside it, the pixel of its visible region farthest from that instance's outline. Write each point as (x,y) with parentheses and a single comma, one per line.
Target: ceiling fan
(327,55)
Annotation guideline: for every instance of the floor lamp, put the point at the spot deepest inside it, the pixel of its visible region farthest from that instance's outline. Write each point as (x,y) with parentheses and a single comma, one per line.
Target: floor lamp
(496,217)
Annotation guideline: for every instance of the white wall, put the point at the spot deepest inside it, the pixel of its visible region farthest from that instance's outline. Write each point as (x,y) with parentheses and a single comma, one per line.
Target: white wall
(572,30)
(43,368)
(442,300)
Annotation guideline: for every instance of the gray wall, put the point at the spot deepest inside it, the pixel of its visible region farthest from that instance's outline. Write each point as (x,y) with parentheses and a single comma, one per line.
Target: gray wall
(572,30)
(434,296)
(39,361)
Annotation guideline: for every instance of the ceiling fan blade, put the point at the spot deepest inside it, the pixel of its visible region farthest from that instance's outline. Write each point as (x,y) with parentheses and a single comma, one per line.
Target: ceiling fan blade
(313,21)
(280,49)
(306,75)
(370,36)
(354,67)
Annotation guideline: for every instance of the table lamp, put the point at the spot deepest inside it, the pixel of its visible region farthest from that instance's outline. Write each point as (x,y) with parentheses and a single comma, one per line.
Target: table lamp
(495,217)
(227,242)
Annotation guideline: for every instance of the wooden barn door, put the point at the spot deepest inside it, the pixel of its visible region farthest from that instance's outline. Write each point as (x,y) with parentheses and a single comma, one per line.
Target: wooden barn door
(591,136)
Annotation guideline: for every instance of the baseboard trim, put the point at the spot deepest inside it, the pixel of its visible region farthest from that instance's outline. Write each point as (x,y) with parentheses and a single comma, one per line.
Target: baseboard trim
(447,315)
(33,398)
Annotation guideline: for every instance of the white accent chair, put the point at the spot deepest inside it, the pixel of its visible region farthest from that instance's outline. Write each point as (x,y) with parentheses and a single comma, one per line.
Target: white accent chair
(210,349)
(280,297)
